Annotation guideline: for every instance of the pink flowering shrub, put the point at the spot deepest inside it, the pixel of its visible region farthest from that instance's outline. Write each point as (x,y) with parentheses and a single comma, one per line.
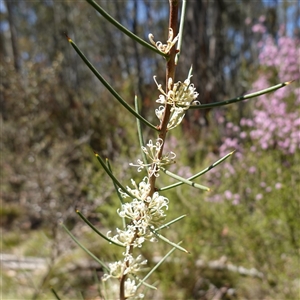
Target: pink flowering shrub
(274,120)
(275,123)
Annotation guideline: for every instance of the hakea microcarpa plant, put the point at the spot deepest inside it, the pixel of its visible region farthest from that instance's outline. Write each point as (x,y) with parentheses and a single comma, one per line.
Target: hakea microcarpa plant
(143,207)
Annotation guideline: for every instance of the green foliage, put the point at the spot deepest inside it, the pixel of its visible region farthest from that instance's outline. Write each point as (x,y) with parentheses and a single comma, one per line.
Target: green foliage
(8,214)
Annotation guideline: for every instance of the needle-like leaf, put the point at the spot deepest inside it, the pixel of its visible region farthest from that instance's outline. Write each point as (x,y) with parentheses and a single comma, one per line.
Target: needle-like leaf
(55,294)
(242,98)
(186,181)
(170,223)
(198,174)
(110,174)
(85,249)
(118,192)
(113,21)
(116,187)
(168,241)
(108,86)
(140,133)
(182,19)
(158,264)
(96,230)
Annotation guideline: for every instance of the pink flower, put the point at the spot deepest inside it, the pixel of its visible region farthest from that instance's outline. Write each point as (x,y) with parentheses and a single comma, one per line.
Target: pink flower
(228,195)
(259,28)
(258,197)
(252,170)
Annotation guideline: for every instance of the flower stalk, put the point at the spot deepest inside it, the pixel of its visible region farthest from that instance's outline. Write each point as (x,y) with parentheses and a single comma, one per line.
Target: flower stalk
(170,75)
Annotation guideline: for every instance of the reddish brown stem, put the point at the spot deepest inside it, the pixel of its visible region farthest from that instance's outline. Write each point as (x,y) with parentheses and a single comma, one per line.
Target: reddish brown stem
(170,73)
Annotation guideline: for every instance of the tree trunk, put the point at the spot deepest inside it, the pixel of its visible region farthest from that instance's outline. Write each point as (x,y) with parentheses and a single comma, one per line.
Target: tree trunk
(13,35)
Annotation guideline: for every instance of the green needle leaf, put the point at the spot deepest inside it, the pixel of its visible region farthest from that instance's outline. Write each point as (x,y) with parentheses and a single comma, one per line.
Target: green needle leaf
(168,241)
(241,98)
(198,174)
(85,249)
(158,264)
(144,283)
(113,21)
(96,230)
(116,187)
(118,192)
(140,133)
(108,86)
(55,294)
(170,223)
(186,181)
(110,174)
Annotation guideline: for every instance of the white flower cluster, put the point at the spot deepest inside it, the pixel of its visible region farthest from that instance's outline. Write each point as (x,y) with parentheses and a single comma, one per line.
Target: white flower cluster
(180,96)
(152,151)
(144,212)
(130,290)
(129,265)
(164,48)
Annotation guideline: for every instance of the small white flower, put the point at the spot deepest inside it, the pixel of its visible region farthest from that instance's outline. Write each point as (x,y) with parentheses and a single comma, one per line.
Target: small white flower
(153,151)
(116,270)
(130,288)
(142,190)
(133,265)
(134,235)
(164,48)
(133,210)
(129,266)
(122,193)
(160,112)
(177,115)
(123,236)
(156,206)
(180,94)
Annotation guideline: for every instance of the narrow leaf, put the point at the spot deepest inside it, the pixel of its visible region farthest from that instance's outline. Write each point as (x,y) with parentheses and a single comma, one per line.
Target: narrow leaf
(96,230)
(198,174)
(113,21)
(118,192)
(170,223)
(98,282)
(110,174)
(168,241)
(108,86)
(186,181)
(158,264)
(142,281)
(55,294)
(190,72)
(182,19)
(85,249)
(116,187)
(140,133)
(81,295)
(241,98)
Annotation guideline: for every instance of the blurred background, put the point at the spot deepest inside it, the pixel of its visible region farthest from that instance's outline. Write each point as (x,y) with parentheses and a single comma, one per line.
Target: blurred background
(243,235)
